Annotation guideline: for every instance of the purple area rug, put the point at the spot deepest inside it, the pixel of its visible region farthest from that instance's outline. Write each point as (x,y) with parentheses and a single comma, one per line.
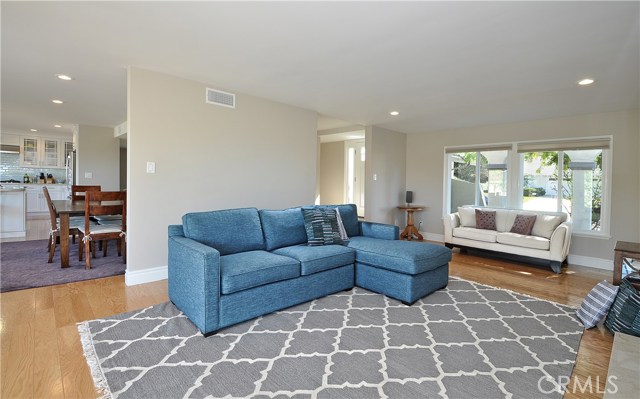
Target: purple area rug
(23,264)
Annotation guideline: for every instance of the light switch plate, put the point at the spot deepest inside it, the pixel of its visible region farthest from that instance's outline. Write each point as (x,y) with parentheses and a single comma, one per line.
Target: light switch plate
(88,175)
(151,167)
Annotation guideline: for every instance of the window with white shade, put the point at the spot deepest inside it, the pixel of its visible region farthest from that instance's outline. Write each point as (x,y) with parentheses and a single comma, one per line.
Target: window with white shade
(478,177)
(570,176)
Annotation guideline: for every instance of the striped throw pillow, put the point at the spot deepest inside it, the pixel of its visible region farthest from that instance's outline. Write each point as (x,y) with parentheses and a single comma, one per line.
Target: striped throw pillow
(321,225)
(597,303)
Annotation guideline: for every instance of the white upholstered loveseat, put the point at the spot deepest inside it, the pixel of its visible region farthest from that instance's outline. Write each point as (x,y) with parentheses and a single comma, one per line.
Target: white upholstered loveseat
(549,239)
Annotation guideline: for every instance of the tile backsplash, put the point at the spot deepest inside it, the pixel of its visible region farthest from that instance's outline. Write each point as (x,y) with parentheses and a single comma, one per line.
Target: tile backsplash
(10,169)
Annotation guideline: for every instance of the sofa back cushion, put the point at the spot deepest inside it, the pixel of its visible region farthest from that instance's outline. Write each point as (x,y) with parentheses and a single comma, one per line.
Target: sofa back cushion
(282,228)
(467,216)
(229,231)
(349,216)
(546,224)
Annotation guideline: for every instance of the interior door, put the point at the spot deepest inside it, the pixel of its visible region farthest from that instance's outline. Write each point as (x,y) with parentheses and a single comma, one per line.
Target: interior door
(355,156)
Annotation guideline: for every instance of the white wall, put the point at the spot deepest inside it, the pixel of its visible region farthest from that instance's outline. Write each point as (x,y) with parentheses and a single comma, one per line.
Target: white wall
(260,154)
(386,159)
(425,163)
(332,166)
(98,153)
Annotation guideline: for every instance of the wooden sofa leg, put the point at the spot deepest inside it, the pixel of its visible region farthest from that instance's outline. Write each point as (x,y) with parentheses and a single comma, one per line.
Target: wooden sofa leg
(555,266)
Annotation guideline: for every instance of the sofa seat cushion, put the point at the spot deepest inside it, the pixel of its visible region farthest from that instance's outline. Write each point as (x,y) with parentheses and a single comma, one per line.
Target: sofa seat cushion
(254,268)
(475,234)
(320,258)
(520,240)
(400,256)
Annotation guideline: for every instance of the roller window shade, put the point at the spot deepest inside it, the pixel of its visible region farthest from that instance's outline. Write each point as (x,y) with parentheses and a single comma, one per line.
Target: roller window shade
(566,145)
(499,147)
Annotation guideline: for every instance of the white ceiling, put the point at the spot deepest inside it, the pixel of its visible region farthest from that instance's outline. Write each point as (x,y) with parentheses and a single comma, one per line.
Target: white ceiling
(443,65)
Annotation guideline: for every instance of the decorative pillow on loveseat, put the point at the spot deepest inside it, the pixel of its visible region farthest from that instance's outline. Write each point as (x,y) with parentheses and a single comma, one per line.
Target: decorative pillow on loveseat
(523,224)
(597,303)
(322,226)
(485,220)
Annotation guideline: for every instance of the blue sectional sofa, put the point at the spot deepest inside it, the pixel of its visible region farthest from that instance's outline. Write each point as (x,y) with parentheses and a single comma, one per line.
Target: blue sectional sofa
(233,265)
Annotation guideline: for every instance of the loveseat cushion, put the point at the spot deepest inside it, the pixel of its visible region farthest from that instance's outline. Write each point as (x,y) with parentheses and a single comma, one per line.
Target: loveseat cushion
(229,231)
(282,228)
(475,234)
(467,216)
(521,240)
(545,225)
(400,256)
(319,258)
(254,268)
(349,216)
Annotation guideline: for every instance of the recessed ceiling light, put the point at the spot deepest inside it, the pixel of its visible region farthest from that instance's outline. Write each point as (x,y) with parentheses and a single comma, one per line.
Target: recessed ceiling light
(34,130)
(394,113)
(57,101)
(585,82)
(57,125)
(64,77)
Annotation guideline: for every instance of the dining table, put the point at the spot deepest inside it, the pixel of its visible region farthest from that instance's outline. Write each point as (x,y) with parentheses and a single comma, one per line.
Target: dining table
(64,210)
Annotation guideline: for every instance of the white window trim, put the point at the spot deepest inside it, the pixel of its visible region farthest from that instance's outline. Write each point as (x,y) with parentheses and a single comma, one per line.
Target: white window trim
(516,177)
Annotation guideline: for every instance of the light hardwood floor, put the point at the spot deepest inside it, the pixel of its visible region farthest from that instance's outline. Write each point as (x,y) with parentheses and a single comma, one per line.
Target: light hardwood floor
(41,355)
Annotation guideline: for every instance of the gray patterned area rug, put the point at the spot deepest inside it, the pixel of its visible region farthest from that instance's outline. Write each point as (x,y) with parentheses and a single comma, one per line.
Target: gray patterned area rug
(466,341)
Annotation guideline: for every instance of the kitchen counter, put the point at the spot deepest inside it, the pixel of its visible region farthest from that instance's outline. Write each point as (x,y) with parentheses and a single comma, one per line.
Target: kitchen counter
(36,202)
(13,206)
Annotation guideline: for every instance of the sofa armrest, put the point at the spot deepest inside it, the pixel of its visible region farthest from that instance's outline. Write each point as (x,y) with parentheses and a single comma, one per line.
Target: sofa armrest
(451,221)
(379,230)
(194,281)
(560,242)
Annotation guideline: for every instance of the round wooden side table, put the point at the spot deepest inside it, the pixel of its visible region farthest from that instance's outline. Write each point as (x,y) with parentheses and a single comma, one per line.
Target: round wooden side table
(410,230)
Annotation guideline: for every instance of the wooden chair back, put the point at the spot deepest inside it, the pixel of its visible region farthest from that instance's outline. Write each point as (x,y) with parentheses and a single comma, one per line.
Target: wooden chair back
(52,211)
(78,192)
(105,203)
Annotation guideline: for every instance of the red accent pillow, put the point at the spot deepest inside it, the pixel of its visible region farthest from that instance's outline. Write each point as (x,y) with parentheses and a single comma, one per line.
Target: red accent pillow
(523,224)
(485,220)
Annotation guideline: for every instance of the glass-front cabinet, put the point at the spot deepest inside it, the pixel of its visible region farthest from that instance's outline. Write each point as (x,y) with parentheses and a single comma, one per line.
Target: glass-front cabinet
(30,151)
(47,152)
(51,156)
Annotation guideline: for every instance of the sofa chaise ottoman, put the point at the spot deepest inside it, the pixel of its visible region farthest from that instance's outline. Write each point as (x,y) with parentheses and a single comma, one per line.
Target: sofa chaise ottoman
(233,265)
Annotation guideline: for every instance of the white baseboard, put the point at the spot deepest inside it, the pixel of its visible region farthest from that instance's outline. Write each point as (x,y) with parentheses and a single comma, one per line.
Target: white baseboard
(146,275)
(432,236)
(588,261)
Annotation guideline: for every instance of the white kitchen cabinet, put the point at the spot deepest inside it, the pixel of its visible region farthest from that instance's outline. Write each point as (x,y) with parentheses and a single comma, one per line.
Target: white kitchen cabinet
(12,213)
(48,152)
(36,201)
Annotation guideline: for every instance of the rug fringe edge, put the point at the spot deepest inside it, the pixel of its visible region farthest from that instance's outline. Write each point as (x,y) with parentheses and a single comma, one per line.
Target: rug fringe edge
(99,380)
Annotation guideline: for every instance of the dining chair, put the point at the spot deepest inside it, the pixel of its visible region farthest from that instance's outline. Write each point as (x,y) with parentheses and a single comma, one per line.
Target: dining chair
(54,233)
(98,203)
(78,192)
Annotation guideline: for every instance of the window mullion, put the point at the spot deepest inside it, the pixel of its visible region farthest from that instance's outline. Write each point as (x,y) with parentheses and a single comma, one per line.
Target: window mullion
(560,180)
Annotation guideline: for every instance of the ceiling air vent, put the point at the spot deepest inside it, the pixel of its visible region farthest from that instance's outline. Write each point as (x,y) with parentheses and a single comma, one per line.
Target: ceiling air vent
(221,98)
